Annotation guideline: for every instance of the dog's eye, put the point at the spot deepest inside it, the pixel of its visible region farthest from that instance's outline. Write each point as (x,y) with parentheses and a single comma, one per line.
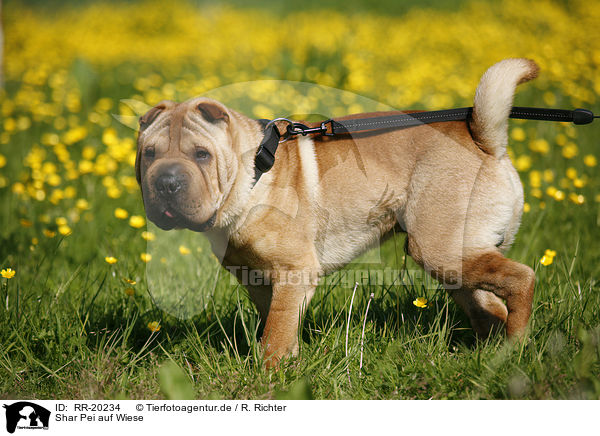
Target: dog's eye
(202,154)
(149,152)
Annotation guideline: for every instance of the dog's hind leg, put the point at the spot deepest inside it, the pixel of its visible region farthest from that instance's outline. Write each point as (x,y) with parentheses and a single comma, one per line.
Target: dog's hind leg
(507,279)
(460,242)
(479,282)
(485,310)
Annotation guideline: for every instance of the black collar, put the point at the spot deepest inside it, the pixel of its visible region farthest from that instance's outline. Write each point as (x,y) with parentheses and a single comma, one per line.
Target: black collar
(265,155)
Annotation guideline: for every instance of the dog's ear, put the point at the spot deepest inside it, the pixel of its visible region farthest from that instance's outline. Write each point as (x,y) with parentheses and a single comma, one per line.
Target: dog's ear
(145,121)
(138,156)
(150,116)
(213,112)
(138,162)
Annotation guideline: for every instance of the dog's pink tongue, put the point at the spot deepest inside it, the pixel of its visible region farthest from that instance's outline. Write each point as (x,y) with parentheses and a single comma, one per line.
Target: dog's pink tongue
(169,214)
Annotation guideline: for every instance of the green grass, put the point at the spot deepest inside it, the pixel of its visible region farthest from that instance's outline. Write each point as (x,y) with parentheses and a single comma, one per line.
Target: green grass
(69,330)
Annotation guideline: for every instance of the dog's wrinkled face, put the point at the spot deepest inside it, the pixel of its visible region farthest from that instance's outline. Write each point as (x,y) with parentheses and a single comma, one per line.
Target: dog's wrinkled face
(185,163)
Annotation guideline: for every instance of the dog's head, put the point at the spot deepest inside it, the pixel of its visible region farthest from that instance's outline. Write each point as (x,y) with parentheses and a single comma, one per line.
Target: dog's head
(186,164)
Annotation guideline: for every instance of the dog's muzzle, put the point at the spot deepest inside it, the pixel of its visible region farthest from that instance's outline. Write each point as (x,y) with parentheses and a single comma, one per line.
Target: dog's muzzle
(168,205)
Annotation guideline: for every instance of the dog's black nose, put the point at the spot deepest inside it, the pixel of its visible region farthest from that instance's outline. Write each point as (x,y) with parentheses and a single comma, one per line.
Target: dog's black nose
(169,182)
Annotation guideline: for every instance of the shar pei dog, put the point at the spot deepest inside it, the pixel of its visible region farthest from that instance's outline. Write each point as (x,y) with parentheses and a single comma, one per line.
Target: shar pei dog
(449,186)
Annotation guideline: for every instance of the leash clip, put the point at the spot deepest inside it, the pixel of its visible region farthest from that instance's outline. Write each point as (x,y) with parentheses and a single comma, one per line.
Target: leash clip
(302,129)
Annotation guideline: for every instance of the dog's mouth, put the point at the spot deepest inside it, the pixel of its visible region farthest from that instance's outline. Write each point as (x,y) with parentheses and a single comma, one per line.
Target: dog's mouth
(168,218)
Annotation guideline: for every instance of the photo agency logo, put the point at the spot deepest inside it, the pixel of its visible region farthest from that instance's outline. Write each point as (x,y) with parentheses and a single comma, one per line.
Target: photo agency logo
(24,415)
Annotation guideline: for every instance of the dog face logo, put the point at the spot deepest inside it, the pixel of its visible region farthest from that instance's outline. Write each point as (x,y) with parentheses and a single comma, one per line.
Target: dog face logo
(26,415)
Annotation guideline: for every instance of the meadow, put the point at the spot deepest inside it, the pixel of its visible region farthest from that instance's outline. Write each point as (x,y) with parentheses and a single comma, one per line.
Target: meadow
(87,307)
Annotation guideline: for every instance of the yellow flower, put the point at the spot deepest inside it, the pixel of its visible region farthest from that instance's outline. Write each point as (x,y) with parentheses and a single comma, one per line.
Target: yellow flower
(137,221)
(571,173)
(539,146)
(129,281)
(64,230)
(2,161)
(88,152)
(113,192)
(420,302)
(518,134)
(110,260)
(10,124)
(121,213)
(129,291)
(184,250)
(146,257)
(49,233)
(548,257)
(153,326)
(535,179)
(546,260)
(548,176)
(148,236)
(86,166)
(559,195)
(109,137)
(82,204)
(18,188)
(570,150)
(523,163)
(590,160)
(577,199)
(75,135)
(54,180)
(8,273)
(526,207)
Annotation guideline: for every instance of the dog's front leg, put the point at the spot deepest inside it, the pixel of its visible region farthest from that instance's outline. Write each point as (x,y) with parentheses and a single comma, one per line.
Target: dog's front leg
(288,303)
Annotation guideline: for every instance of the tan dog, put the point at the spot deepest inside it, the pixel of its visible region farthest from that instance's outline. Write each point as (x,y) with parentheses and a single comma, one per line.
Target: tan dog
(450,186)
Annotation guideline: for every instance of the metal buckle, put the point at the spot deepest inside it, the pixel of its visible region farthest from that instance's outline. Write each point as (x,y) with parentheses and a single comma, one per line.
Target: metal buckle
(270,123)
(284,137)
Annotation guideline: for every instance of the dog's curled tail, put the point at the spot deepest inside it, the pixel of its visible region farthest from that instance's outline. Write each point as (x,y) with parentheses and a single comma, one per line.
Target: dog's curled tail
(493,102)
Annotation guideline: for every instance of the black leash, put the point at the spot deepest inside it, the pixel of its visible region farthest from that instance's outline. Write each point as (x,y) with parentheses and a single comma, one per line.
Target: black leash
(265,156)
